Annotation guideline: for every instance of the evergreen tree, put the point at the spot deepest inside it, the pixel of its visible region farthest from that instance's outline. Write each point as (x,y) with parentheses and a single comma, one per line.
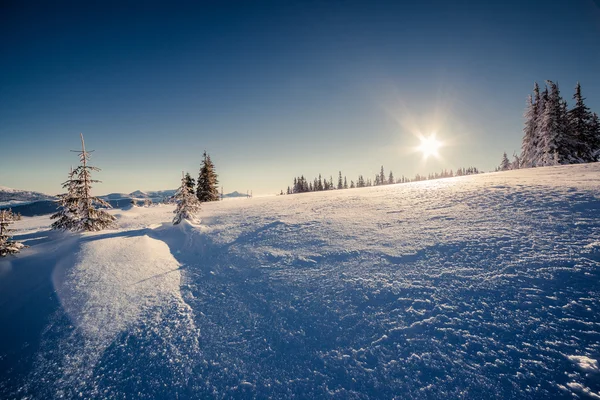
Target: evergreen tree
(8,246)
(516,164)
(188,205)
(320,186)
(190,183)
(504,164)
(360,183)
(208,184)
(331,187)
(381,177)
(595,134)
(391,179)
(67,215)
(538,146)
(580,120)
(87,216)
(345,183)
(529,137)
(352,184)
(340,184)
(552,138)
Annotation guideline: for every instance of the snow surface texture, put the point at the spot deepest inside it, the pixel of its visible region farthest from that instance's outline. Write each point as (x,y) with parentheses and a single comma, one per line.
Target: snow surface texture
(474,287)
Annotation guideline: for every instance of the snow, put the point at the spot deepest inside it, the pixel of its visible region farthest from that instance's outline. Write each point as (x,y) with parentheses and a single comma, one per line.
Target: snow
(470,287)
(585,363)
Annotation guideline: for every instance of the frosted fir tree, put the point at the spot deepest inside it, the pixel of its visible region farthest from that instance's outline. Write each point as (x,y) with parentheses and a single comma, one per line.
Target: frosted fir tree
(188,204)
(529,145)
(391,179)
(382,180)
(67,215)
(552,128)
(89,216)
(505,163)
(516,164)
(580,124)
(190,182)
(537,152)
(208,185)
(8,246)
(340,184)
(595,129)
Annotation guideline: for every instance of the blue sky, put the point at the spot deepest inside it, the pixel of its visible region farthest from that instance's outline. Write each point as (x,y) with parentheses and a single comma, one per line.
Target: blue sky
(277,89)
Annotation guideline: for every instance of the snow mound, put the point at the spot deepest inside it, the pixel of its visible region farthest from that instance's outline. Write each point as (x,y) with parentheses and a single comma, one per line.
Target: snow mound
(585,363)
(113,280)
(121,297)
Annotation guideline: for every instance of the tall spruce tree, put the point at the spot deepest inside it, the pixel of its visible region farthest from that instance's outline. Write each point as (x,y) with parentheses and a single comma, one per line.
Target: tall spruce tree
(82,210)
(382,180)
(8,246)
(540,106)
(188,205)
(551,131)
(208,185)
(340,184)
(391,179)
(580,119)
(529,145)
(595,133)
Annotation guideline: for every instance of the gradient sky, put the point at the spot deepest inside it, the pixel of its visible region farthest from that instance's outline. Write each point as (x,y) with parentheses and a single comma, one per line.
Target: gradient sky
(277,89)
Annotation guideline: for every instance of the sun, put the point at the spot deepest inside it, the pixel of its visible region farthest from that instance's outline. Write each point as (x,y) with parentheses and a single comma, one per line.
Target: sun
(429,146)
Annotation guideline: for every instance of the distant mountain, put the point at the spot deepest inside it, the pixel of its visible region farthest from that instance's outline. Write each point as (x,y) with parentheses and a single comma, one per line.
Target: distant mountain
(11,197)
(235,194)
(155,196)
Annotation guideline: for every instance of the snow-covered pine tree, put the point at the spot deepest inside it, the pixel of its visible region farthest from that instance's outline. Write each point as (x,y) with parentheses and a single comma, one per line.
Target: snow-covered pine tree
(340,184)
(67,215)
(187,203)
(90,218)
(580,119)
(382,180)
(528,147)
(352,184)
(551,129)
(540,107)
(391,179)
(345,183)
(190,183)
(208,185)
(595,131)
(516,164)
(8,246)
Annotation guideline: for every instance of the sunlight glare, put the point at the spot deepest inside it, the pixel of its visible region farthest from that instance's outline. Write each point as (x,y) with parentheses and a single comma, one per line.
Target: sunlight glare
(429,146)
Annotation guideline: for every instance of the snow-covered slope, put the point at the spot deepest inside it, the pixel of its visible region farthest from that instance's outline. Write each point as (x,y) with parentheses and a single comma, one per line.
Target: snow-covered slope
(475,287)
